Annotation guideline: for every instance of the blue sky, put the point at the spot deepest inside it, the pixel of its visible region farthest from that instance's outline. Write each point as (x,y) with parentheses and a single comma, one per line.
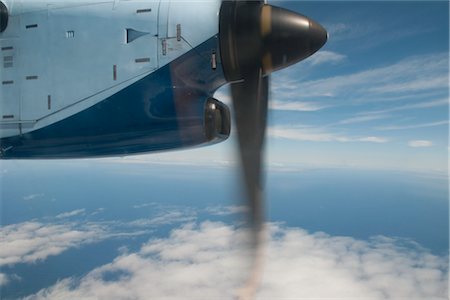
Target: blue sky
(357,184)
(378,90)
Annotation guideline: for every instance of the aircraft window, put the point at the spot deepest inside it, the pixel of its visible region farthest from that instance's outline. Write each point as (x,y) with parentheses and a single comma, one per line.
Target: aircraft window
(7,48)
(8,82)
(31,26)
(34,77)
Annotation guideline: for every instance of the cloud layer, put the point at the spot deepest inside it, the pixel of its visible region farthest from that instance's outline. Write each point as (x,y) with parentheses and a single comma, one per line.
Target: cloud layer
(318,135)
(32,241)
(206,261)
(415,73)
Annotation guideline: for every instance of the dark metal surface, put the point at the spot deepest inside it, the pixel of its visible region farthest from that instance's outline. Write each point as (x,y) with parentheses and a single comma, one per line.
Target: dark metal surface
(250,104)
(3,16)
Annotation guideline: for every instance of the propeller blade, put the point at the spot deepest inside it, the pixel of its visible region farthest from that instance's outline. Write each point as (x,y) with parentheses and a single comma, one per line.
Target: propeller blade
(250,101)
(257,39)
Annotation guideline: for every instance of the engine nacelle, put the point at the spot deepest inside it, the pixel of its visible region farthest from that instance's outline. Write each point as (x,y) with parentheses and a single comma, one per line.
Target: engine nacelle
(3,16)
(103,131)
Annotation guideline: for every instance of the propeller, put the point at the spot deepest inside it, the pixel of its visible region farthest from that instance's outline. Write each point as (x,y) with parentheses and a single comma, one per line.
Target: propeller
(255,40)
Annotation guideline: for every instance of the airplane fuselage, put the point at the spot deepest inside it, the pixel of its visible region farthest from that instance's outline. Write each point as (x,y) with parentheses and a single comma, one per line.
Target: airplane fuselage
(101,78)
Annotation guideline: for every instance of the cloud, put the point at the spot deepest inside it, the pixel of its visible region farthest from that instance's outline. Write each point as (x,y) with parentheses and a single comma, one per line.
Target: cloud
(324,56)
(143,205)
(97,211)
(418,74)
(409,106)
(296,106)
(3,279)
(413,126)
(363,118)
(207,261)
(342,31)
(6,279)
(71,213)
(32,241)
(366,116)
(373,139)
(371,32)
(318,135)
(411,86)
(226,210)
(32,197)
(293,104)
(420,143)
(169,217)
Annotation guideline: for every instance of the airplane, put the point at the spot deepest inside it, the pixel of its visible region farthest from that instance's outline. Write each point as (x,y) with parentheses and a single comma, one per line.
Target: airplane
(96,78)
(99,78)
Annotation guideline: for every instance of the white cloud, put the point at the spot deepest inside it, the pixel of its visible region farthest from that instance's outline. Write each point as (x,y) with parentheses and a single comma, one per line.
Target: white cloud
(413,126)
(30,242)
(317,135)
(226,210)
(223,95)
(409,106)
(296,106)
(71,213)
(164,218)
(411,86)
(3,279)
(207,261)
(363,118)
(97,211)
(342,31)
(190,157)
(6,279)
(373,115)
(373,139)
(33,241)
(32,197)
(420,143)
(413,74)
(326,57)
(143,205)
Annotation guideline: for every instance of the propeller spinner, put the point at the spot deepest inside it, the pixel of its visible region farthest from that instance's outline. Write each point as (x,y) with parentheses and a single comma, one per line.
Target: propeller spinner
(255,40)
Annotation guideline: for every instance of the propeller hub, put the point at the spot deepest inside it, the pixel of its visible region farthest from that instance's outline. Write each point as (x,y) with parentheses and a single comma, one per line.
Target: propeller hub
(288,37)
(256,35)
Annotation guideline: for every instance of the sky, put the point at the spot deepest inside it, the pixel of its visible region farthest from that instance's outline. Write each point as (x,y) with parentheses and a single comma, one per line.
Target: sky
(356,185)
